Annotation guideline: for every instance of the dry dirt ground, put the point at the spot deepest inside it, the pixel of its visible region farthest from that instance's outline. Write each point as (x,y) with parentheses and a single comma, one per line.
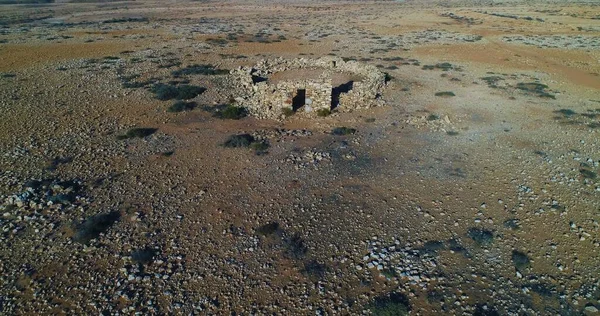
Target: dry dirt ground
(486,202)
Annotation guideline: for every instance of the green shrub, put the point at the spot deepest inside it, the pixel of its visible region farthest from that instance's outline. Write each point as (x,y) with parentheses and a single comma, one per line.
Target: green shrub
(186,92)
(587,174)
(231,112)
(481,236)
(139,132)
(181,106)
(295,246)
(343,131)
(566,112)
(259,146)
(520,260)
(396,304)
(287,111)
(199,70)
(536,88)
(94,226)
(165,92)
(144,255)
(433,117)
(323,112)
(268,229)
(512,223)
(241,140)
(445,94)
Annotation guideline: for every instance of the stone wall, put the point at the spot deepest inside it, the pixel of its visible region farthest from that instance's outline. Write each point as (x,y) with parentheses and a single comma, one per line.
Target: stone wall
(266,100)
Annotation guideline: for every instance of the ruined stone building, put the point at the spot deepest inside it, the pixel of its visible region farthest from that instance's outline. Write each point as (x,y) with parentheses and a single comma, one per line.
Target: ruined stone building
(305,86)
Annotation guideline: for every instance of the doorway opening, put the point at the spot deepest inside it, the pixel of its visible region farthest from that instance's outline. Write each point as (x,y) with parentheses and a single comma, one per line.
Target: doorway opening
(299,99)
(335,93)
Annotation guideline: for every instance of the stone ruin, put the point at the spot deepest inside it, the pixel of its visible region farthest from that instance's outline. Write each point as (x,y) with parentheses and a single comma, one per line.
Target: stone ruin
(275,88)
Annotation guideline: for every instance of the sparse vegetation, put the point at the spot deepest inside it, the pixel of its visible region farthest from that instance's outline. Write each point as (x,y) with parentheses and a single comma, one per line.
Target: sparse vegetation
(442,66)
(139,132)
(535,88)
(389,273)
(433,117)
(445,94)
(395,304)
(296,247)
(481,236)
(323,112)
(434,245)
(343,131)
(520,260)
(237,141)
(144,255)
(566,112)
(588,174)
(181,106)
(196,69)
(314,269)
(268,229)
(259,146)
(126,20)
(231,112)
(287,111)
(512,223)
(165,92)
(94,226)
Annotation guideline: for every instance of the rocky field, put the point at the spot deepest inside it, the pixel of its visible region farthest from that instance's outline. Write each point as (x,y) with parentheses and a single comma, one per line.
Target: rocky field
(133,182)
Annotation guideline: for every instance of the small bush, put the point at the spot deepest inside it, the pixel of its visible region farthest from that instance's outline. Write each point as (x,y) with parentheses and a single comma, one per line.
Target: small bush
(433,117)
(287,111)
(445,94)
(343,131)
(231,112)
(139,132)
(566,112)
(181,106)
(531,86)
(268,229)
(241,140)
(434,245)
(144,255)
(588,174)
(481,236)
(259,146)
(186,92)
(296,247)
(389,273)
(452,133)
(95,225)
(196,69)
(314,269)
(165,92)
(323,112)
(395,304)
(512,223)
(536,88)
(520,260)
